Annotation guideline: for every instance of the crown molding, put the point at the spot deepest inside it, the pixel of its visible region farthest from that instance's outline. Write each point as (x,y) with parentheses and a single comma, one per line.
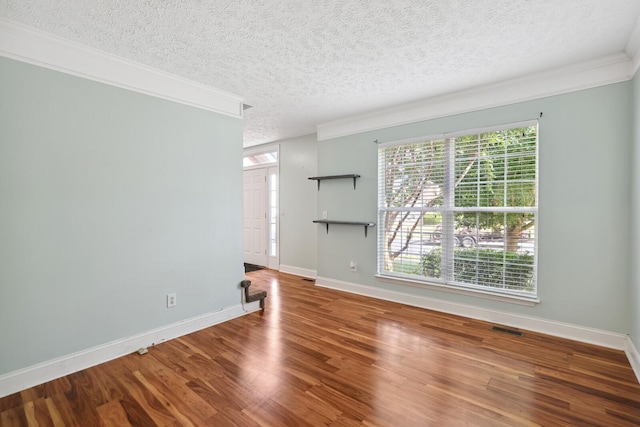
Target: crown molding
(26,44)
(633,48)
(585,75)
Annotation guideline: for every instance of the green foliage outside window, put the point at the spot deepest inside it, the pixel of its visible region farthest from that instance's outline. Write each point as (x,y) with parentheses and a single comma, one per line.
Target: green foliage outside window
(485,267)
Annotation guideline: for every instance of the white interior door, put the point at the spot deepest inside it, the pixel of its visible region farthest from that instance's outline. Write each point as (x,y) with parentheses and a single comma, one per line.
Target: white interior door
(255,217)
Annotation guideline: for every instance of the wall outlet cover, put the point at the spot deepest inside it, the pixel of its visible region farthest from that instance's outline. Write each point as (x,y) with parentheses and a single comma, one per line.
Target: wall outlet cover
(171,300)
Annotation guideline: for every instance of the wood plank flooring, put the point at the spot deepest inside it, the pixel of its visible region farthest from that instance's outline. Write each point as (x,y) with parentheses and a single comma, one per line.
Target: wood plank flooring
(318,357)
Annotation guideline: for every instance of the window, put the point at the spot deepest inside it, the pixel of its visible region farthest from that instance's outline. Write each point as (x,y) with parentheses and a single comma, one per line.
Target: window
(460,210)
(272,188)
(258,159)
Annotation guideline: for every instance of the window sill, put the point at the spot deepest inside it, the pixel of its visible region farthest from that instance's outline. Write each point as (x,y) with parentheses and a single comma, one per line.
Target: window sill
(514,299)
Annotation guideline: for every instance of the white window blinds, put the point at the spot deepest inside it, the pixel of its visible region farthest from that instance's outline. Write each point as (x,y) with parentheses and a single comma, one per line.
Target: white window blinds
(460,210)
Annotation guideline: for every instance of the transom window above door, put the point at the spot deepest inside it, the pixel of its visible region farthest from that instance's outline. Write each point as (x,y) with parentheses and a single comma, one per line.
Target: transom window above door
(260,159)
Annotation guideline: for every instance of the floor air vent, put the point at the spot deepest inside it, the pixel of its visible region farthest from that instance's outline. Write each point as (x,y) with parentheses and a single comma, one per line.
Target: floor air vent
(506,330)
(308,280)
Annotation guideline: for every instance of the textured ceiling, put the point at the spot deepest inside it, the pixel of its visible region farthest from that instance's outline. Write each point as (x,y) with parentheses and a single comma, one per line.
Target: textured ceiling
(301,63)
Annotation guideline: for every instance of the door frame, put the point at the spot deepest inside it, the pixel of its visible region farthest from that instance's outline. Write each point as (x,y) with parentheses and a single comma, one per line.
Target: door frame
(272,168)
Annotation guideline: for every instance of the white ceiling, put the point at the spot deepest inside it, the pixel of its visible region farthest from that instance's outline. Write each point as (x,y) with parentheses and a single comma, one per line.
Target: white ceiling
(303,63)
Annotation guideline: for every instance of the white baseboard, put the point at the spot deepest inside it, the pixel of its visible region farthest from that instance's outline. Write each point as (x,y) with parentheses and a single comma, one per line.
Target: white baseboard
(298,271)
(59,367)
(634,357)
(549,327)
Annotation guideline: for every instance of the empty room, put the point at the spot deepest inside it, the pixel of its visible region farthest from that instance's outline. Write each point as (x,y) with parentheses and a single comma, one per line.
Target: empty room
(336,213)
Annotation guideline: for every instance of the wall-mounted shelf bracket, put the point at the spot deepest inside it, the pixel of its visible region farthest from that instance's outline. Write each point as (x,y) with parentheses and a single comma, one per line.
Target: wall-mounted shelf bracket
(320,178)
(327,222)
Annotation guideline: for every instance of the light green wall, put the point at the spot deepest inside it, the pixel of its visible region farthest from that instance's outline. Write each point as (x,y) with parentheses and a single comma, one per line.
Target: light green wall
(634,299)
(109,200)
(298,202)
(584,216)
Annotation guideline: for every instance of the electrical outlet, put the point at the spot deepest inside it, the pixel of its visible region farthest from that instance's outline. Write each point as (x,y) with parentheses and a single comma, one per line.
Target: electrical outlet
(325,215)
(171,300)
(352,265)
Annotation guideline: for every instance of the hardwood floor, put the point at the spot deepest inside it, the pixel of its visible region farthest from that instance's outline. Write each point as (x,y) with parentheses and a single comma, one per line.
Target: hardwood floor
(318,357)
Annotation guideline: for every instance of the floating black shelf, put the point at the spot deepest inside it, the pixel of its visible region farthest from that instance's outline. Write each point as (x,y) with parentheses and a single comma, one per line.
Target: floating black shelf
(329,221)
(320,178)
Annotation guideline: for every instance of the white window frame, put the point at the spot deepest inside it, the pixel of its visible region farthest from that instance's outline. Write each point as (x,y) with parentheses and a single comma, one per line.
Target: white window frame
(273,209)
(448,211)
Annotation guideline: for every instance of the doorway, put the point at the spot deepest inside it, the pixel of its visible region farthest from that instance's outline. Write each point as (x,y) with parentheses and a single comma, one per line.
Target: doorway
(255,189)
(260,196)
